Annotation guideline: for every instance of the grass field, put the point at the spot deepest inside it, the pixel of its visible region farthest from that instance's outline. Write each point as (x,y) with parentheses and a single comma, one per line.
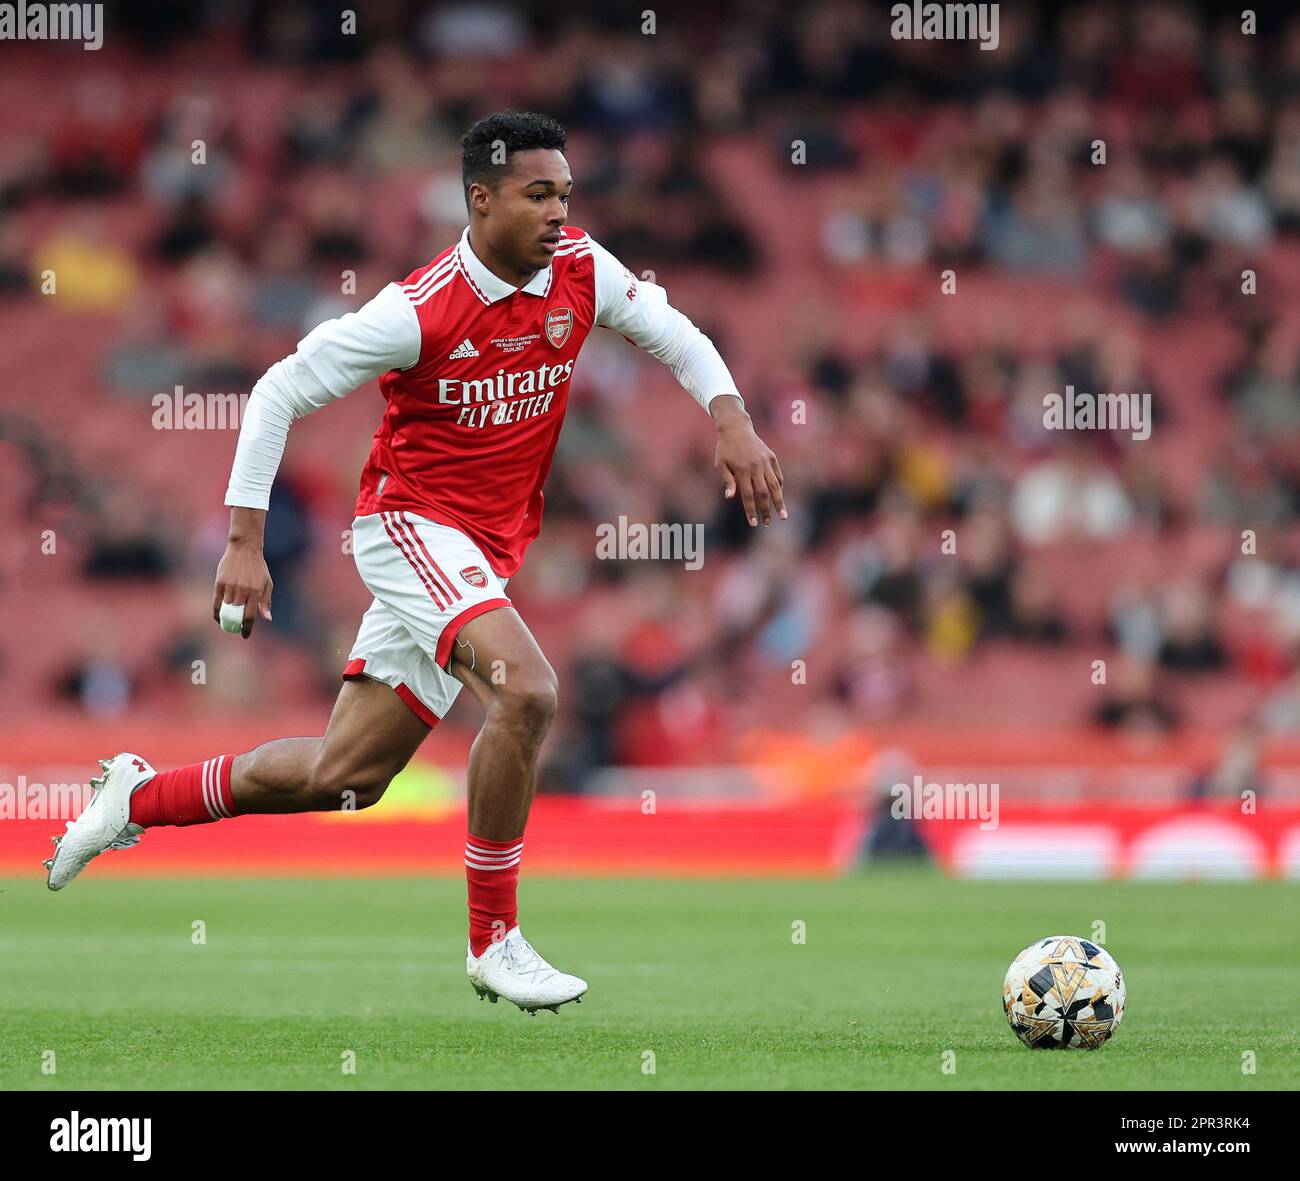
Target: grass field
(898,967)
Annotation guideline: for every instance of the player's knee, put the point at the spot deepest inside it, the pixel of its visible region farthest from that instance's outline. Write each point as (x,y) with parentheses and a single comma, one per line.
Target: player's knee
(529,698)
(360,791)
(335,787)
(366,794)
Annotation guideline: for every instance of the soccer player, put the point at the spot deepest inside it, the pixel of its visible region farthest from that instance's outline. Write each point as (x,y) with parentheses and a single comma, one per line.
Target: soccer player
(474,353)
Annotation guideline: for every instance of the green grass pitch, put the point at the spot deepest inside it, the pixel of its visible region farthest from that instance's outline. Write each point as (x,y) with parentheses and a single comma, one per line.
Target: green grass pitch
(897,968)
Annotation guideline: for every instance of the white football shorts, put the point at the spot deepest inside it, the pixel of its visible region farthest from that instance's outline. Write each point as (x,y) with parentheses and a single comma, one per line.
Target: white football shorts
(428,580)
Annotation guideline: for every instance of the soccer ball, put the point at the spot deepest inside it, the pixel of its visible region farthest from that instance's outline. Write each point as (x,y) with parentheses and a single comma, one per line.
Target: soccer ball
(1063,992)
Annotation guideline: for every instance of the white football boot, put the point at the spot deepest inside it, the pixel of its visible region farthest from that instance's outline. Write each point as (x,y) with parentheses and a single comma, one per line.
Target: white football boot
(511,968)
(104,823)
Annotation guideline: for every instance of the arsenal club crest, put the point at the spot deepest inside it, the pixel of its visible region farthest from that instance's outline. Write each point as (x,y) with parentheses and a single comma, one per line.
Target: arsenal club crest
(474,576)
(559,323)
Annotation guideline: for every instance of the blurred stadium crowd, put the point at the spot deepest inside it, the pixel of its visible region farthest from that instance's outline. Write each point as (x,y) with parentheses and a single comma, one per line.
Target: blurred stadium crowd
(799,182)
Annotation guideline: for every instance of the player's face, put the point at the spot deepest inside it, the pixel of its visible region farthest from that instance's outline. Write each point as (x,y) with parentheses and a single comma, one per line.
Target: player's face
(530,206)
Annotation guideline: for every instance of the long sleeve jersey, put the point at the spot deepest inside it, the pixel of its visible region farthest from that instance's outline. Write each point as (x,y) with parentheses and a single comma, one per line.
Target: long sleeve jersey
(475,373)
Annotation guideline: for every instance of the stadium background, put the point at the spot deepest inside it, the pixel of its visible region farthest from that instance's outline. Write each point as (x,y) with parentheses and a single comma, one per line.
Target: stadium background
(769,698)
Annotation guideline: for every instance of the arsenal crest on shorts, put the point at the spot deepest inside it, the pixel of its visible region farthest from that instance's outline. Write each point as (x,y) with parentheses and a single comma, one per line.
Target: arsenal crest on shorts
(474,576)
(559,323)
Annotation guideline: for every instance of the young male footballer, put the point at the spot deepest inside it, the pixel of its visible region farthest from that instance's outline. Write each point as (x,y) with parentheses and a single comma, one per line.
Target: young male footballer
(474,353)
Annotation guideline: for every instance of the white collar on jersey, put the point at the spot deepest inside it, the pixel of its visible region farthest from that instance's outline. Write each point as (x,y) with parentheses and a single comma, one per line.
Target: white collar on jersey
(486,285)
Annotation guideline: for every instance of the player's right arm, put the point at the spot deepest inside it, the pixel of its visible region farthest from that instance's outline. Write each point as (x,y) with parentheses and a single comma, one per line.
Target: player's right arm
(331,360)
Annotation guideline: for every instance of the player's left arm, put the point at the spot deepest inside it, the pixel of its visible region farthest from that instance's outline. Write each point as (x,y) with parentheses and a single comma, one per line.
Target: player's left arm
(640,311)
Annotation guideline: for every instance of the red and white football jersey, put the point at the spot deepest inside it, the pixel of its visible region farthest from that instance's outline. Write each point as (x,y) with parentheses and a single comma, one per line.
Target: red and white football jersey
(476,374)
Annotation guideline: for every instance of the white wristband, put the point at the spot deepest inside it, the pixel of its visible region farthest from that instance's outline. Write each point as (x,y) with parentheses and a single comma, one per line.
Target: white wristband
(232,617)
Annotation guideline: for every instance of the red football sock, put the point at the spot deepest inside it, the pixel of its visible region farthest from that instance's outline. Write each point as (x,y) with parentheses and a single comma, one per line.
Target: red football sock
(197,794)
(492,869)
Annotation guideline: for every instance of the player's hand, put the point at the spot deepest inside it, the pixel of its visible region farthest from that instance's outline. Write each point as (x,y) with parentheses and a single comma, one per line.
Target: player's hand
(243,579)
(748,465)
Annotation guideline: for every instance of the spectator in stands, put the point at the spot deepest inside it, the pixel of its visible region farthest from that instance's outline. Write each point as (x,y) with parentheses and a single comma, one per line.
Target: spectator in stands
(96,149)
(131,538)
(1136,701)
(1280,713)
(872,674)
(1071,497)
(890,838)
(1238,770)
(99,681)
(90,271)
(1188,640)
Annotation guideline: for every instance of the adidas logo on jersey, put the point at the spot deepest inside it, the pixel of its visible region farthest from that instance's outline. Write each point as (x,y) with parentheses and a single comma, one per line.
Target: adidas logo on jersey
(462,350)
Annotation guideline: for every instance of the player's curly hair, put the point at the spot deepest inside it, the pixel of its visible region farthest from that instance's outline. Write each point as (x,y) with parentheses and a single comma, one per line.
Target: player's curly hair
(516,131)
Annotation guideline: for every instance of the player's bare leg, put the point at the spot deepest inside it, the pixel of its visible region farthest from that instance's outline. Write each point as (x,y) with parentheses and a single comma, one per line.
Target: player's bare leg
(497,659)
(371,736)
(496,656)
